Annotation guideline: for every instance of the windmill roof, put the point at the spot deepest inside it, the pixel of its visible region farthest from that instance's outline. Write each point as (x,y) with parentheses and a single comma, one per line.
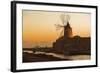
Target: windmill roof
(68,25)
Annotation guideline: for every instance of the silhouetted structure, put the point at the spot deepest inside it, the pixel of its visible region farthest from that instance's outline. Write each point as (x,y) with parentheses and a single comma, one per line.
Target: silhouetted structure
(69,44)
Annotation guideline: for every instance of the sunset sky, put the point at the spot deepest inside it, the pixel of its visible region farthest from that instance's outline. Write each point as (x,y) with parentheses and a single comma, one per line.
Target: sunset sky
(39,26)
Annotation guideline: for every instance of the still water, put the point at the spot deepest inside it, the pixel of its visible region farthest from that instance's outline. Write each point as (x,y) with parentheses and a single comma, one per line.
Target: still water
(72,57)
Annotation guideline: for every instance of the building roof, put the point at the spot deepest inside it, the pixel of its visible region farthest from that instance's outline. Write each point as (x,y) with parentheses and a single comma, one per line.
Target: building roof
(68,25)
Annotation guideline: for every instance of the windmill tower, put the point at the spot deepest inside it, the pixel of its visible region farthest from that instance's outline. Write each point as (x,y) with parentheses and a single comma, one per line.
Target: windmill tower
(66,29)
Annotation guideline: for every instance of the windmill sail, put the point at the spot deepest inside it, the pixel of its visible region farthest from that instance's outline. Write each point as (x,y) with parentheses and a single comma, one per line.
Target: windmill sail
(64,19)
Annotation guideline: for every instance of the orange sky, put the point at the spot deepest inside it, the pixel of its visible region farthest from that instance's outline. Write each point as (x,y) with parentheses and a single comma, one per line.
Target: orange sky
(39,26)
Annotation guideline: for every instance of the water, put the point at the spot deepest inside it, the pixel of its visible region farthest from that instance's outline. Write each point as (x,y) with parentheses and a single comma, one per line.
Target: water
(53,54)
(72,57)
(28,51)
(80,57)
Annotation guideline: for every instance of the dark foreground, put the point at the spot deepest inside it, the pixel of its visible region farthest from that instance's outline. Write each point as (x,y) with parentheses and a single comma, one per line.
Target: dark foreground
(45,57)
(31,57)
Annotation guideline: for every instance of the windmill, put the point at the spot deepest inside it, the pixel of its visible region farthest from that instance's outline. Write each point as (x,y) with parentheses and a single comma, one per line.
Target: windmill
(65,27)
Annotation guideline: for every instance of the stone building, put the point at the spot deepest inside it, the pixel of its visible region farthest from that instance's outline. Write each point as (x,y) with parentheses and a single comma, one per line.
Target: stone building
(69,44)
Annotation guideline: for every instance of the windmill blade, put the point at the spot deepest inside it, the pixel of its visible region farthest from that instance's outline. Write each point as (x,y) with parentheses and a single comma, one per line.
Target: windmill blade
(62,18)
(67,18)
(61,33)
(58,27)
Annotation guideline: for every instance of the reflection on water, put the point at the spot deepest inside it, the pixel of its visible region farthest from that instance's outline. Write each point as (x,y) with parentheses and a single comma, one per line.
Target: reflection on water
(53,54)
(80,57)
(28,51)
(72,57)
